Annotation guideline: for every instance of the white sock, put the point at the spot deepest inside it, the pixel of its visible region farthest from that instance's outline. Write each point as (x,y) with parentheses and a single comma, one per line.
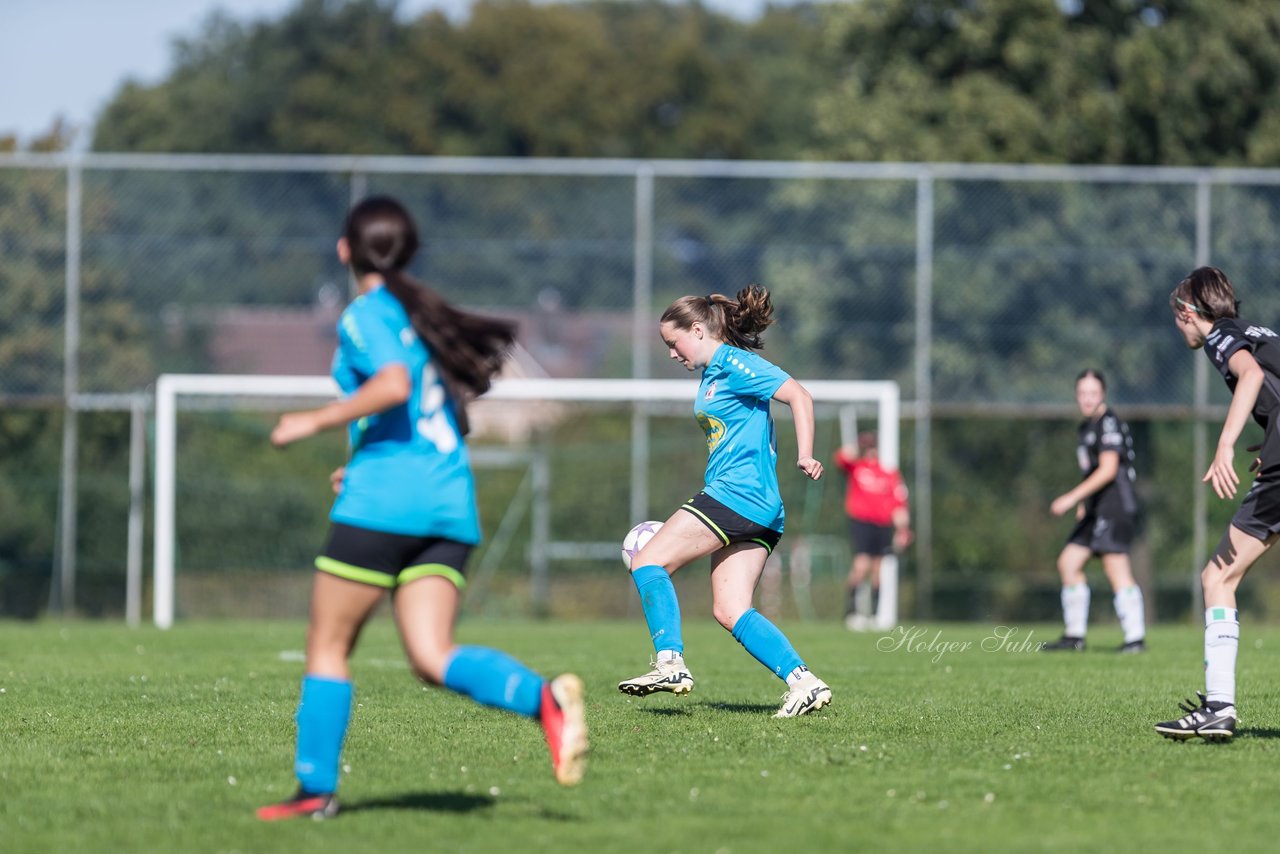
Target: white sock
(1130,611)
(665,655)
(1075,609)
(1221,641)
(796,675)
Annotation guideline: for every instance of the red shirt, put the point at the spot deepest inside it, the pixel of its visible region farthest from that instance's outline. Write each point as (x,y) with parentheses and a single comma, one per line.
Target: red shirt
(873,492)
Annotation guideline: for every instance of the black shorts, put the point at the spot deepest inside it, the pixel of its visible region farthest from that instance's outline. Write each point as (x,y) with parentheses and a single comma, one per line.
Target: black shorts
(1259,514)
(729,526)
(390,560)
(870,538)
(1103,535)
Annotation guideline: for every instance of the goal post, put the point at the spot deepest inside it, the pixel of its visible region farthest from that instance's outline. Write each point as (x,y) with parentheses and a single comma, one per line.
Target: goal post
(170,389)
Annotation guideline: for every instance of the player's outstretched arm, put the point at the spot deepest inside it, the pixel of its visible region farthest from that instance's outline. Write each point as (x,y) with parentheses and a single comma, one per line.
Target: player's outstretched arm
(389,387)
(1249,377)
(1105,473)
(801,402)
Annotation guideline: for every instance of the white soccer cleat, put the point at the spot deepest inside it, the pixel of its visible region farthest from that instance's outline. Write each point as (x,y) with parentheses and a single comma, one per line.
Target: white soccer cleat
(857,623)
(807,695)
(669,676)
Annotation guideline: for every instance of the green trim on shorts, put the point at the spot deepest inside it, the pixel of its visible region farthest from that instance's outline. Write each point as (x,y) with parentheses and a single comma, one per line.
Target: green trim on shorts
(412,573)
(354,573)
(712,525)
(768,548)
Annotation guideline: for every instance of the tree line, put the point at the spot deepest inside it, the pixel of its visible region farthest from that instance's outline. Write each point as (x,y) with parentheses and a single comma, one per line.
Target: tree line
(1137,82)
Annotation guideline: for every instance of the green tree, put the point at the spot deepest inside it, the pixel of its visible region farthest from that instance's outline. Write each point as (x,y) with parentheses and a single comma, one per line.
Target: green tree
(645,79)
(1094,81)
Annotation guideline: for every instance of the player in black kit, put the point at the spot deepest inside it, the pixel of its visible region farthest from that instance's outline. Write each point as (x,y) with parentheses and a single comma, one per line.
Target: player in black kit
(1206,312)
(1106,506)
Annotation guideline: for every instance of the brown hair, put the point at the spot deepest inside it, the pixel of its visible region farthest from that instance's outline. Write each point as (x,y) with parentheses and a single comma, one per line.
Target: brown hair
(468,348)
(739,322)
(1208,292)
(1096,374)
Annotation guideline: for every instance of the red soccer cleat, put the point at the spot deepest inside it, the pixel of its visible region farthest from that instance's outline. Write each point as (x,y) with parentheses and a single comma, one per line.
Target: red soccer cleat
(301,805)
(564,720)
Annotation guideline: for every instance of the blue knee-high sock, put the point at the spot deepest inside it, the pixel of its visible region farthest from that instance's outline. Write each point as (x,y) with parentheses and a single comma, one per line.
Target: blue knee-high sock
(766,643)
(661,607)
(494,678)
(323,713)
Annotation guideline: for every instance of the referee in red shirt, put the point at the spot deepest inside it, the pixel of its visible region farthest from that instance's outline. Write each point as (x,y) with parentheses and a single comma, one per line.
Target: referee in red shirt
(876,503)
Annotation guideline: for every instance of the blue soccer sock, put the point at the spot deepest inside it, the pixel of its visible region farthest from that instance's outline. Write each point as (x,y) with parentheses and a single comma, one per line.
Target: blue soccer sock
(661,607)
(766,643)
(323,713)
(494,678)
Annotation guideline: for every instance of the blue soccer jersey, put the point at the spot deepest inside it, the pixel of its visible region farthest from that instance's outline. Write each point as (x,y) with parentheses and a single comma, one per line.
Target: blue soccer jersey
(409,471)
(742,450)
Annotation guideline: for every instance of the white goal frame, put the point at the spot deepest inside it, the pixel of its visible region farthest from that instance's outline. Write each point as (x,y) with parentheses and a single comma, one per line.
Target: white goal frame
(884,394)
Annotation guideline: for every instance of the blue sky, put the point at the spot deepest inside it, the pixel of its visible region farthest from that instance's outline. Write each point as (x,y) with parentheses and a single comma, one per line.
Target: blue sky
(68,57)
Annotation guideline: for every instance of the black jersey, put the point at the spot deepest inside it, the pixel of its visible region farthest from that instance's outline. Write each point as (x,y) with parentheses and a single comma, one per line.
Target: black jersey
(1108,433)
(1229,336)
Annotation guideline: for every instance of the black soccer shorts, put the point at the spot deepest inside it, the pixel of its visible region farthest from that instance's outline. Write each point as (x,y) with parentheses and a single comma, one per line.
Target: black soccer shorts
(730,526)
(389,560)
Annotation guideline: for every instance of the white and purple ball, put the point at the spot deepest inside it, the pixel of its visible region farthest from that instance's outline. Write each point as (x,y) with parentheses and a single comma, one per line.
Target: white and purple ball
(635,539)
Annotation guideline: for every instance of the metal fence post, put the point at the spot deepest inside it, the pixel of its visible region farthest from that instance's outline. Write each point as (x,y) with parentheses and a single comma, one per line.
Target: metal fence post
(1199,432)
(921,511)
(65,584)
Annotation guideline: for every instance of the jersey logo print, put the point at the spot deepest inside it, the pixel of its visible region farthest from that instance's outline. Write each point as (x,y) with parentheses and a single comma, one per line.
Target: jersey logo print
(353,332)
(711,391)
(1259,332)
(713,427)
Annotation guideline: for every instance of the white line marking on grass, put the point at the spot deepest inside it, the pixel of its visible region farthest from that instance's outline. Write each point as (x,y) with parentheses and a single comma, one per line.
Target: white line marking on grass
(300,656)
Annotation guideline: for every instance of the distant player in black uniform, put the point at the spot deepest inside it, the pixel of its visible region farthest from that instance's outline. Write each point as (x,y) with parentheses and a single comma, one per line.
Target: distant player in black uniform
(1248,357)
(1106,506)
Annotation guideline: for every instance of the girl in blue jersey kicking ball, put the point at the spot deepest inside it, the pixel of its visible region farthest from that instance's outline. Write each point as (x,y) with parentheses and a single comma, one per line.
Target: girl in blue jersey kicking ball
(405,518)
(737,518)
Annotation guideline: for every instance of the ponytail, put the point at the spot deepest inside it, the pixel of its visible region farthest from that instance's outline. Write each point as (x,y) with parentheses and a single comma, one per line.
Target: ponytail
(738,322)
(469,349)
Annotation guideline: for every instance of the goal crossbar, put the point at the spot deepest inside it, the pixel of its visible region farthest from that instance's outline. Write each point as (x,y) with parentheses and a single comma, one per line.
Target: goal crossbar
(883,394)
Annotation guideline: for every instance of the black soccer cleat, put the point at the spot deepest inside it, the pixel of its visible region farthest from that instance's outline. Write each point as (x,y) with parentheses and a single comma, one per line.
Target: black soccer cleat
(1221,725)
(1132,647)
(302,805)
(1211,720)
(1066,643)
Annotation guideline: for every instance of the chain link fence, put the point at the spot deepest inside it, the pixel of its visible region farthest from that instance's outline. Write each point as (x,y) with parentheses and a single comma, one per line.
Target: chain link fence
(981,290)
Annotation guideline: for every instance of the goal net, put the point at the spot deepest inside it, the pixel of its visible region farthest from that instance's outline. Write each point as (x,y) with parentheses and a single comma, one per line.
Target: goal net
(564,468)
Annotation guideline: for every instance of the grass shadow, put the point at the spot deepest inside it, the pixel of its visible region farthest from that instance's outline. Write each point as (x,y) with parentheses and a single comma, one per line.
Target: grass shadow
(666,711)
(1256,732)
(450,802)
(741,708)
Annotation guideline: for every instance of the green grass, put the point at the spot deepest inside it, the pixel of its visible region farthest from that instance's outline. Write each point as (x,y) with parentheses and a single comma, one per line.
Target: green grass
(119,740)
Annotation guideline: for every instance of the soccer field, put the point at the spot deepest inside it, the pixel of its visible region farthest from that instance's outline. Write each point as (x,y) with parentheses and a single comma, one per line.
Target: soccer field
(120,740)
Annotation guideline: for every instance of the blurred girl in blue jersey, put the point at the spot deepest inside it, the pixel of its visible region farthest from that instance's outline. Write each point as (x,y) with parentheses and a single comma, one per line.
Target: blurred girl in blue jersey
(405,518)
(737,518)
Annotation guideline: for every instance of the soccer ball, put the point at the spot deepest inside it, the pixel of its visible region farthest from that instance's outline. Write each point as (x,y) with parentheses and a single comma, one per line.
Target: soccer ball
(636,538)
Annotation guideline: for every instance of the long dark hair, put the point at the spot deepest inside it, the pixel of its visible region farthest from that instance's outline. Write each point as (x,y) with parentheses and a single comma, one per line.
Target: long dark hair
(739,322)
(468,348)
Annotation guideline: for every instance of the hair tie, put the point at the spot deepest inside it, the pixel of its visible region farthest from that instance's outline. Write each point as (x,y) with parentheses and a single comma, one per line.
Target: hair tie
(709,299)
